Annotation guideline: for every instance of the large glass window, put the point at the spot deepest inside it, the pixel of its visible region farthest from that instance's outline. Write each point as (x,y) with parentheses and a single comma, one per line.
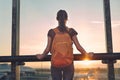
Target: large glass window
(86,17)
(115,20)
(5,27)
(37,17)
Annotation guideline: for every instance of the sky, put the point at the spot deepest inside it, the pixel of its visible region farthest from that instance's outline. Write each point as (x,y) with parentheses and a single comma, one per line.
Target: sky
(39,16)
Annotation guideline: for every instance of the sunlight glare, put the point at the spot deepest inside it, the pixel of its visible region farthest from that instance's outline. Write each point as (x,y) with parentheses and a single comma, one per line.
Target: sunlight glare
(86,62)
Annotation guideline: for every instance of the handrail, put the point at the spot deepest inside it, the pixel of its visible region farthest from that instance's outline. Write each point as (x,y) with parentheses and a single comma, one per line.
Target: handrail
(32,58)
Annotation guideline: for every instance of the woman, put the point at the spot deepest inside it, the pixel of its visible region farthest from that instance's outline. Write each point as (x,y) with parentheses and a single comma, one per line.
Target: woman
(61,72)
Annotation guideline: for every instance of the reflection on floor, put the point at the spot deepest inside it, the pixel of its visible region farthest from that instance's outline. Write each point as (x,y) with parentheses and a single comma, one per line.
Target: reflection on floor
(28,73)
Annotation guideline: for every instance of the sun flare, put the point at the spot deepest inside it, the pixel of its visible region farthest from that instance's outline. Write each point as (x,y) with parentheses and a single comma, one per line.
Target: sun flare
(86,62)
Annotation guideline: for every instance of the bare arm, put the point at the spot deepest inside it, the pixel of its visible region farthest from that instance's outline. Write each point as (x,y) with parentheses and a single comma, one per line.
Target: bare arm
(47,49)
(78,46)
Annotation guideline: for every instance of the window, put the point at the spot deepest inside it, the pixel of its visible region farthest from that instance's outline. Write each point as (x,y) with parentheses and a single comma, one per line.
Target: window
(5,27)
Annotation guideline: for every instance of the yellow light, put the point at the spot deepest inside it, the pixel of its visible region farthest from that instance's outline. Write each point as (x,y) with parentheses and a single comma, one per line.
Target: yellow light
(86,58)
(86,62)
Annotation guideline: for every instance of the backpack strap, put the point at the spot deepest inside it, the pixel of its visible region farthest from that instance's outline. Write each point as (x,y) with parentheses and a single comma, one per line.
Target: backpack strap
(56,30)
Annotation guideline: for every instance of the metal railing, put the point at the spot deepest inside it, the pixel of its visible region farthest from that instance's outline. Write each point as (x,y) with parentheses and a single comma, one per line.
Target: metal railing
(19,60)
(77,57)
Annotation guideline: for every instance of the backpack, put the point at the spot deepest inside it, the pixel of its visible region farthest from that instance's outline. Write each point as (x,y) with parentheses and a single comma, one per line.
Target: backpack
(61,50)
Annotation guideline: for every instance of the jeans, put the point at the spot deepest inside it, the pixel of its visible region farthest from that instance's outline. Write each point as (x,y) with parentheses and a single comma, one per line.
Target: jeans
(64,73)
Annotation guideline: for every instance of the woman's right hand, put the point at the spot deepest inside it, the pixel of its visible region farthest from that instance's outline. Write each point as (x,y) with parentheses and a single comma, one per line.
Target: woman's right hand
(90,54)
(39,56)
